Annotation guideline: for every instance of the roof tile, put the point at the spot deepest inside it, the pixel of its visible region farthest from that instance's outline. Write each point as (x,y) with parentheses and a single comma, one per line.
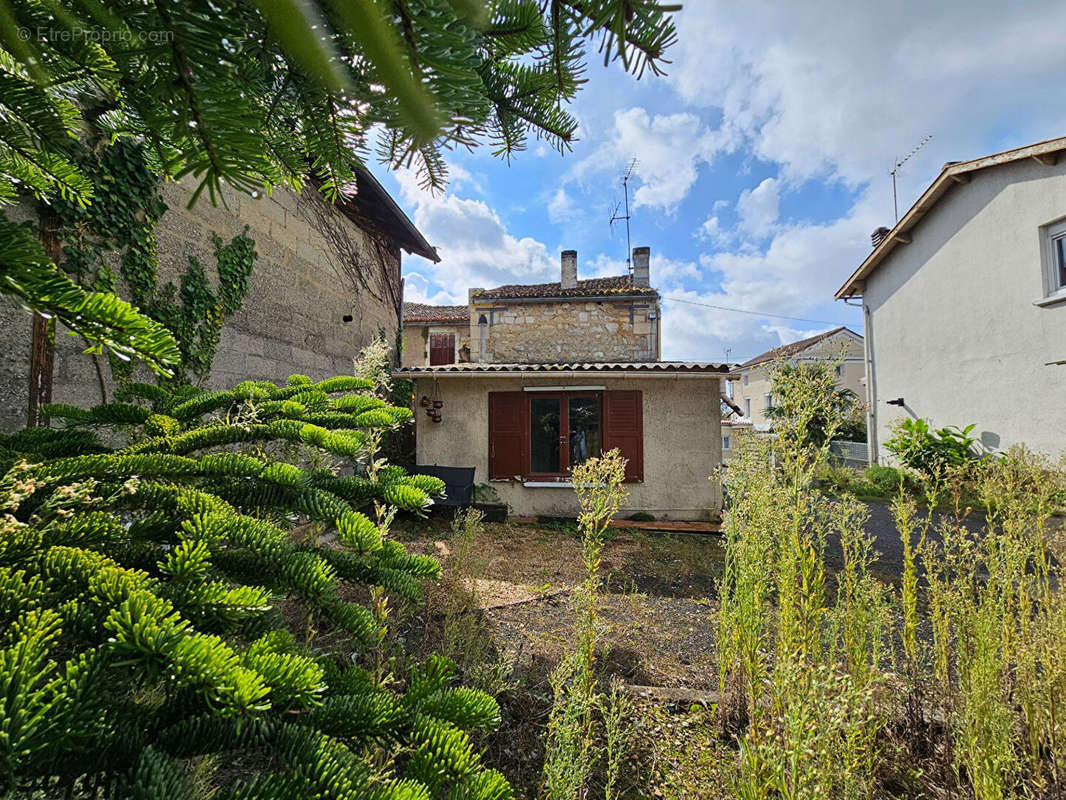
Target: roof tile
(616,284)
(420,312)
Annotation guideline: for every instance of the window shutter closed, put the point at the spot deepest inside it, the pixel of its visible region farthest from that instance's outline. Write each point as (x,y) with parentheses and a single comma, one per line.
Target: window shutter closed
(508,427)
(623,418)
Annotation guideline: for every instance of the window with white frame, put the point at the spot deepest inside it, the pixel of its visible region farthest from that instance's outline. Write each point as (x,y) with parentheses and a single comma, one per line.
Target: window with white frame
(727,443)
(747,407)
(768,401)
(1055,258)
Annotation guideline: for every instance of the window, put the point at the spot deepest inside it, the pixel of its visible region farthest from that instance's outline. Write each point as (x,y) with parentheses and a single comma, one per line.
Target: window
(745,380)
(747,407)
(727,443)
(838,370)
(1055,258)
(441,349)
(543,435)
(767,400)
(564,430)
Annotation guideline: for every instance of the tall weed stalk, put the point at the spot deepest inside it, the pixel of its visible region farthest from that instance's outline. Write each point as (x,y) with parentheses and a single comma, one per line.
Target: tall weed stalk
(572,751)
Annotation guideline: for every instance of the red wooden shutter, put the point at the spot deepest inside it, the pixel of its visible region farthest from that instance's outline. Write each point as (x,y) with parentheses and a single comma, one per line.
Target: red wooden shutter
(623,427)
(508,434)
(441,349)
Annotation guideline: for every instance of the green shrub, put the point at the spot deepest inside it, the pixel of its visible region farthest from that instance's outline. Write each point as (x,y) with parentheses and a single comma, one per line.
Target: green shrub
(887,480)
(929,451)
(164,615)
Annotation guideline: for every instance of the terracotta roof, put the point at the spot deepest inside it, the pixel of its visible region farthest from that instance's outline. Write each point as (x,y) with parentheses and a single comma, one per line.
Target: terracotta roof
(666,367)
(791,349)
(420,312)
(617,284)
(953,174)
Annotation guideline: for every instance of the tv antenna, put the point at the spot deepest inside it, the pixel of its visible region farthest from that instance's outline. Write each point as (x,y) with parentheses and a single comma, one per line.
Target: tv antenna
(615,216)
(900,163)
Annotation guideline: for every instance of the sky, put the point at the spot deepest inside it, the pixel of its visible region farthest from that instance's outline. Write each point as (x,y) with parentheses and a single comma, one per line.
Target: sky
(764,160)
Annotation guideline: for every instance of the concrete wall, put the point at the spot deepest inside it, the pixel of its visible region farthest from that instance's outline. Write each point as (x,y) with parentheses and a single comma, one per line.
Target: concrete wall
(292,319)
(682,442)
(416,342)
(759,383)
(566,331)
(951,319)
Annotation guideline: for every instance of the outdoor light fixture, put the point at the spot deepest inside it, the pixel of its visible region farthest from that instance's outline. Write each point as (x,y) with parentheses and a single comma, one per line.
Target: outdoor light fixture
(897,402)
(434,404)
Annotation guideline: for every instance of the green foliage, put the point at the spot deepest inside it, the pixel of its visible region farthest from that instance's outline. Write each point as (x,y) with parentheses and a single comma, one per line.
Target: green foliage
(28,275)
(263,94)
(162,608)
(571,749)
(929,451)
(120,223)
(842,408)
(801,665)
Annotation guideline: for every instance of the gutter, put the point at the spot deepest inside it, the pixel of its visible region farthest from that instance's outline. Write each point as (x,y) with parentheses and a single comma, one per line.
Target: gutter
(568,374)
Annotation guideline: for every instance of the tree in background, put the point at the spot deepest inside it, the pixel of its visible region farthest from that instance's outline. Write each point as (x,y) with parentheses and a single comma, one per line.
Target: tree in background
(266,93)
(848,413)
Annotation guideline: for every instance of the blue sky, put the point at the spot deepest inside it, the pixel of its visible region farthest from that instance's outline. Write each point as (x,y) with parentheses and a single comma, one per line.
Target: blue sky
(764,159)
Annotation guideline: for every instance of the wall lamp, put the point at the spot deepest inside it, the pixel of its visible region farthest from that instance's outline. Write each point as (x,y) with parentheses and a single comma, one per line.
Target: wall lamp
(897,402)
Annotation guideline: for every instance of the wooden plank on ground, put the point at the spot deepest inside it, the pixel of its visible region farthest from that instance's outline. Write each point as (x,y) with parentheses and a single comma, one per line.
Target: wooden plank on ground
(666,525)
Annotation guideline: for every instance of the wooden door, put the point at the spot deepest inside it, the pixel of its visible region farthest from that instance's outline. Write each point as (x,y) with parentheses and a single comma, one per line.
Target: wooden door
(441,348)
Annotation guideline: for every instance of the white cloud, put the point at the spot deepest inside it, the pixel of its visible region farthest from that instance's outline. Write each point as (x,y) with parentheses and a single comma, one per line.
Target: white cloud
(796,275)
(843,89)
(758,209)
(560,207)
(669,149)
(473,243)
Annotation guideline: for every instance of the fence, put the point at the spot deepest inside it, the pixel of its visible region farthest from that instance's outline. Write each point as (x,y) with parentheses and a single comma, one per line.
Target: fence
(851,454)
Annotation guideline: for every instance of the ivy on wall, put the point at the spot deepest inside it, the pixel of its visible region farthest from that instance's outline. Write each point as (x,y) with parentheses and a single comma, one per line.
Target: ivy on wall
(118,228)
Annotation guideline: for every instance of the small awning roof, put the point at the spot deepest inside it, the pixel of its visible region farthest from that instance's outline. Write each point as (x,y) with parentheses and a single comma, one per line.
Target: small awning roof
(663,368)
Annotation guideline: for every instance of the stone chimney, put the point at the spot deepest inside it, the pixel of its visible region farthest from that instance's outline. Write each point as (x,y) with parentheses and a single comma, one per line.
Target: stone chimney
(569,270)
(878,236)
(642,267)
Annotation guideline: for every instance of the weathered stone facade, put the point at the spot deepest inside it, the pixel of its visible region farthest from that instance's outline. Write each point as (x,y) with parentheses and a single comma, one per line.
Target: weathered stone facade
(306,311)
(566,331)
(601,319)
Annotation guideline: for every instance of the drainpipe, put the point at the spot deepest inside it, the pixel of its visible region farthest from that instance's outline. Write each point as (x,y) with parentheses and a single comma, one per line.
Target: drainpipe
(871,391)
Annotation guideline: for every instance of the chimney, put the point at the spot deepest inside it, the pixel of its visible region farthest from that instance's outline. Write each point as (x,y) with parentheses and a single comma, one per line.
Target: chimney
(569,270)
(878,236)
(642,267)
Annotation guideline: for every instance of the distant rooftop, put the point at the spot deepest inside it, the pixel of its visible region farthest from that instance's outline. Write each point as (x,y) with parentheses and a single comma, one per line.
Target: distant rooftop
(420,312)
(787,350)
(617,284)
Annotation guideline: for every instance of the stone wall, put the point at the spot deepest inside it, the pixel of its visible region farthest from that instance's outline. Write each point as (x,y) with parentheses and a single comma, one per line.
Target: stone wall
(566,331)
(293,319)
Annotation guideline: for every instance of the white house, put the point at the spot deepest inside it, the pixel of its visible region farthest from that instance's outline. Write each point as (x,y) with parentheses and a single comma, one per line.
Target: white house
(964,304)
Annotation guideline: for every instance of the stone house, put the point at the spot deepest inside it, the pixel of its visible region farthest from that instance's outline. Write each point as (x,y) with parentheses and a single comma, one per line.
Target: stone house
(751,382)
(435,335)
(598,319)
(561,372)
(967,289)
(327,280)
